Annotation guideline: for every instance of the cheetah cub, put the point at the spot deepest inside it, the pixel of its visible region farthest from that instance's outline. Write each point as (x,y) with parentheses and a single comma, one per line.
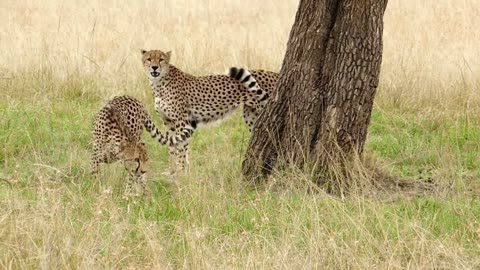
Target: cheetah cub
(117,128)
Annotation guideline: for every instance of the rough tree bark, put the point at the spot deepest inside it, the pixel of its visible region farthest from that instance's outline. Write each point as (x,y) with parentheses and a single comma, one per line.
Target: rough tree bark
(324,97)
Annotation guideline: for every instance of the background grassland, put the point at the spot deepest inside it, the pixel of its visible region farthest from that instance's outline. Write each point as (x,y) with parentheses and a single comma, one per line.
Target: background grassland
(60,61)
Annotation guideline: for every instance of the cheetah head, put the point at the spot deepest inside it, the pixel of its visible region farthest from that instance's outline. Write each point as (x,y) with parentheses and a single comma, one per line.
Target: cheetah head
(134,157)
(156,63)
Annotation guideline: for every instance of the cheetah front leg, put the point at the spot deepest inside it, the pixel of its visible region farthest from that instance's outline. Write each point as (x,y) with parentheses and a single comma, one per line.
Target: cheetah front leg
(172,150)
(178,151)
(172,159)
(129,187)
(187,128)
(136,180)
(178,155)
(182,155)
(142,180)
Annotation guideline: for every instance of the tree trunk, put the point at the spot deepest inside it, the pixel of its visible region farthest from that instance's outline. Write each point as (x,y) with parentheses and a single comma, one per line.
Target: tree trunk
(324,97)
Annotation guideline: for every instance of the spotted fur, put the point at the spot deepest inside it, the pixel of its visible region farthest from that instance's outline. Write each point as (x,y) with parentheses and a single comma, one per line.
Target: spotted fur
(248,80)
(183,101)
(117,128)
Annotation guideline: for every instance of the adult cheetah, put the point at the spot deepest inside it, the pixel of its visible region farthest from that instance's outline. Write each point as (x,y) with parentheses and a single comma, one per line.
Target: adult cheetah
(183,101)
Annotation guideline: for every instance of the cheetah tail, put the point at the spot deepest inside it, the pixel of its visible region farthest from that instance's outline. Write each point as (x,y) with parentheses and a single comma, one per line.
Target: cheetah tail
(248,81)
(171,138)
(154,132)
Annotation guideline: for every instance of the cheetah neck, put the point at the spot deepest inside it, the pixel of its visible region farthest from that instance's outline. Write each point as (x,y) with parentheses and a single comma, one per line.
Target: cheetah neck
(174,77)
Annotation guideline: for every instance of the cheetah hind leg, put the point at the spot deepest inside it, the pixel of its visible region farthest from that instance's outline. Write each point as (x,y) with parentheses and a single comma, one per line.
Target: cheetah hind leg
(250,115)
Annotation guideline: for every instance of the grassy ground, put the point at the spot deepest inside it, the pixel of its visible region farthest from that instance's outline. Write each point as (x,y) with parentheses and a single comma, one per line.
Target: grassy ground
(59,61)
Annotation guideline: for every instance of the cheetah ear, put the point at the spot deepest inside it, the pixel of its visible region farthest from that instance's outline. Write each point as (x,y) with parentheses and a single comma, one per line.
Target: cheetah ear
(168,55)
(143,51)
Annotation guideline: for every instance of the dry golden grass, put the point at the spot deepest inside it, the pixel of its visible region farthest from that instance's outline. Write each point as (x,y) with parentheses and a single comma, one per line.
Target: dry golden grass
(431,57)
(430,46)
(60,59)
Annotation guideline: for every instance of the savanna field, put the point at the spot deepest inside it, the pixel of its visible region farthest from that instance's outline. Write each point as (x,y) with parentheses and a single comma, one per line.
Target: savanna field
(61,60)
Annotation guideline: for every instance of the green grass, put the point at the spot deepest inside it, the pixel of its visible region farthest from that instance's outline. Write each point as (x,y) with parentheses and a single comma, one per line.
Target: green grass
(54,215)
(419,146)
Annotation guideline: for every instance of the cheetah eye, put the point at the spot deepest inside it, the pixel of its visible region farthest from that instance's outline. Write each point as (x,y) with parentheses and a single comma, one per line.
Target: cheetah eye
(149,59)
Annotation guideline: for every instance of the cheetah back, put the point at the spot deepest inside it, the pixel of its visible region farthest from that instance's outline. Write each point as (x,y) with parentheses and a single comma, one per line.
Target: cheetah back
(120,121)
